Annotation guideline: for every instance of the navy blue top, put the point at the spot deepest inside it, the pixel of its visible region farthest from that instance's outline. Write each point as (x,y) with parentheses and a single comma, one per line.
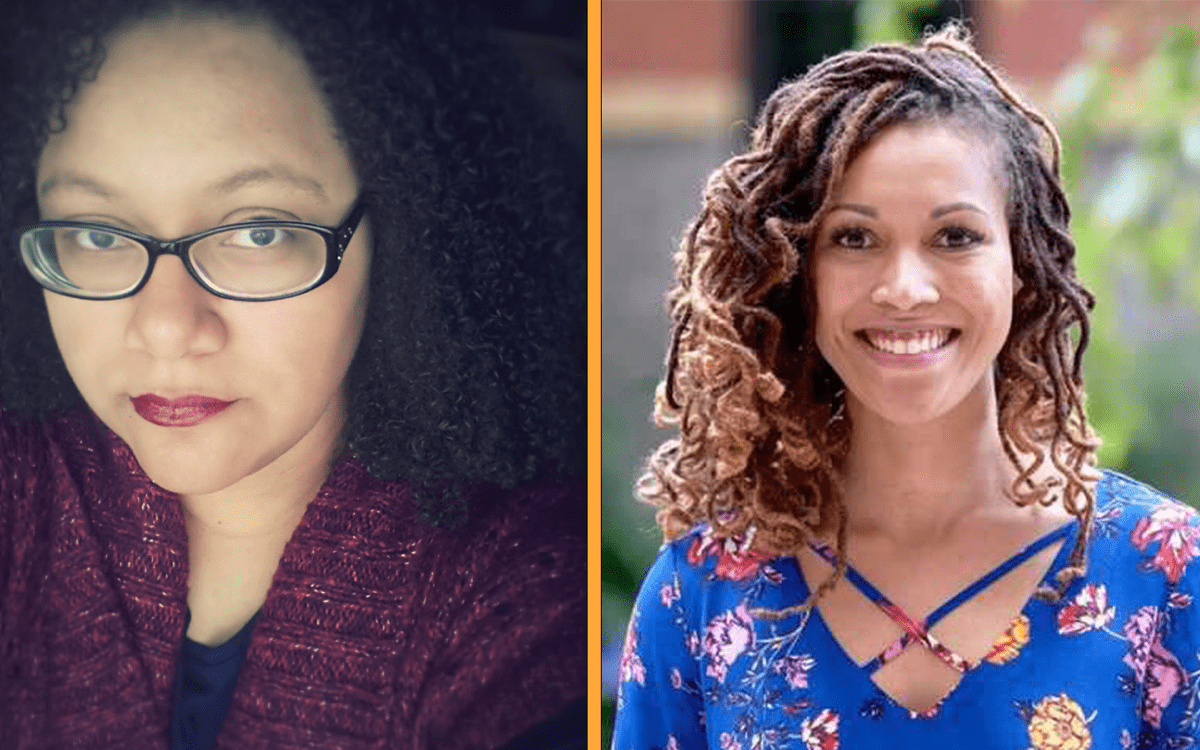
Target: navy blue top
(204,682)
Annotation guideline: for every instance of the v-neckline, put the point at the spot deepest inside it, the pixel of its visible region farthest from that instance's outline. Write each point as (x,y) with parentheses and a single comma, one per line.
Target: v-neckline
(1060,556)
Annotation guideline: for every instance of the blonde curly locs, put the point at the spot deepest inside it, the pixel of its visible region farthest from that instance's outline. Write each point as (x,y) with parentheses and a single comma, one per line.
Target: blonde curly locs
(760,414)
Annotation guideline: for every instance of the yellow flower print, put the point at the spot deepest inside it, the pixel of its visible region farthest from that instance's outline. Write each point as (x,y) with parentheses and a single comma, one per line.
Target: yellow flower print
(1008,645)
(1058,724)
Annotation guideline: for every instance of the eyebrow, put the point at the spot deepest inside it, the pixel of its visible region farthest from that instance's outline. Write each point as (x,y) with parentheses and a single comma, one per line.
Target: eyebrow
(271,173)
(952,207)
(74,180)
(224,186)
(859,208)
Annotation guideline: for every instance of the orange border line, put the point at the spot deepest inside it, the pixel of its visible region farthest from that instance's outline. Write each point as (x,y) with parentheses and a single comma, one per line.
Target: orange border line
(593,329)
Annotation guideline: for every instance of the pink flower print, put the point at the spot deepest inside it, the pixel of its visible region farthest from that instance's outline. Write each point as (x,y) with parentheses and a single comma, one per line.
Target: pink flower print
(737,558)
(632,669)
(1164,678)
(669,593)
(1153,665)
(726,638)
(1088,611)
(795,669)
(1179,600)
(772,575)
(728,742)
(1140,632)
(694,645)
(676,679)
(672,743)
(795,709)
(1168,525)
(820,732)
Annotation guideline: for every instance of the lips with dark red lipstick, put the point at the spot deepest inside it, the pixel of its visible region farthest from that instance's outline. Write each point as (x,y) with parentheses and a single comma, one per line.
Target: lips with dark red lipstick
(184,411)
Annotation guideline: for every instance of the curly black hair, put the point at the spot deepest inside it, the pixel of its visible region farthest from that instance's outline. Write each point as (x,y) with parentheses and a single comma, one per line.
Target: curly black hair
(471,366)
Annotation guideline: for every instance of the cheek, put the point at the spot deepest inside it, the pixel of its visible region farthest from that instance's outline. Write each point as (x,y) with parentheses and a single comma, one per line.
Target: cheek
(993,289)
(322,332)
(81,327)
(834,294)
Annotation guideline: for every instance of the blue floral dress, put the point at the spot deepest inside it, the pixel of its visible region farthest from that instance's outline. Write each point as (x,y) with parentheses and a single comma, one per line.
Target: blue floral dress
(1114,664)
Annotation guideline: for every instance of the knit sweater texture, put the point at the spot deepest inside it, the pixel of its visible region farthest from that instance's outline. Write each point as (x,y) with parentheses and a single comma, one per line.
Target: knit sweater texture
(379,630)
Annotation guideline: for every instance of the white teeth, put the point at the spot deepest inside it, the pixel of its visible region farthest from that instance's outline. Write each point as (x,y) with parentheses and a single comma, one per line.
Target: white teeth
(912,342)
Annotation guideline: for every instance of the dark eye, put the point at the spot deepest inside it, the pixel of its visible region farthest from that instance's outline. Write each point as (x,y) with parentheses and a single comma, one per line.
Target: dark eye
(262,237)
(255,237)
(94,239)
(851,238)
(958,237)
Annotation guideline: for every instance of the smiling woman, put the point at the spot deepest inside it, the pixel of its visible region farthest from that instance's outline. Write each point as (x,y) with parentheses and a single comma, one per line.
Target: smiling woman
(885,526)
(291,439)
(889,251)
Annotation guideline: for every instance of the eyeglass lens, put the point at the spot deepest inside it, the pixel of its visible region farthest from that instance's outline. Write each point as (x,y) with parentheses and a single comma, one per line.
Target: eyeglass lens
(261,261)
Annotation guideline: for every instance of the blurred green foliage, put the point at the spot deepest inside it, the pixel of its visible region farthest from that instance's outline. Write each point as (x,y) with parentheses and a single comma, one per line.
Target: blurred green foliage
(1131,166)
(882,21)
(1131,169)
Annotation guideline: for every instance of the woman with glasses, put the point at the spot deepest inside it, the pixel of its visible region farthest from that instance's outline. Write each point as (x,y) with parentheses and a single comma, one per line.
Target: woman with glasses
(291,374)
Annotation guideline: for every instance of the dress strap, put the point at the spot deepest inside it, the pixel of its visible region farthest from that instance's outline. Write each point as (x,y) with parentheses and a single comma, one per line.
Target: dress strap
(996,574)
(918,630)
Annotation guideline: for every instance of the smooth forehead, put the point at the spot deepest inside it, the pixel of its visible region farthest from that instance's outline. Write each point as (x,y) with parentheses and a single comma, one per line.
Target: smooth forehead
(192,97)
(926,159)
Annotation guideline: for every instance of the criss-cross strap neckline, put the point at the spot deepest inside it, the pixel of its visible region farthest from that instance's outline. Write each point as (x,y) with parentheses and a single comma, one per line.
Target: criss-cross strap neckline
(917,629)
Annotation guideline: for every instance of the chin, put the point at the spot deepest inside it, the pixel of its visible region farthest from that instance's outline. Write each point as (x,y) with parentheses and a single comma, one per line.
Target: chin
(190,472)
(910,410)
(185,480)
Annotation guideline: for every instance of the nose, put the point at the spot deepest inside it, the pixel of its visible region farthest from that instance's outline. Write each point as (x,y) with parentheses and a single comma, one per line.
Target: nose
(906,281)
(173,316)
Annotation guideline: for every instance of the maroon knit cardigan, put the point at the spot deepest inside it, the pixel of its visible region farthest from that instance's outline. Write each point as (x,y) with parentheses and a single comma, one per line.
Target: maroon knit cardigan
(379,631)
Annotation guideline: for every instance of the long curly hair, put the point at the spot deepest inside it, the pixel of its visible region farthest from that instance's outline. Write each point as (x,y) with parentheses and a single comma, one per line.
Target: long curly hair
(760,413)
(471,366)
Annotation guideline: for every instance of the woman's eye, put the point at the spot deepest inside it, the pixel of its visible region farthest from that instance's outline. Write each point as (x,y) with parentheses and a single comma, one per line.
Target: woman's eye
(852,238)
(958,237)
(258,237)
(94,239)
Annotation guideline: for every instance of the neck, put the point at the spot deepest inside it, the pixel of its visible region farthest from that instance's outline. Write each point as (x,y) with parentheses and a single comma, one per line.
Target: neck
(247,512)
(917,483)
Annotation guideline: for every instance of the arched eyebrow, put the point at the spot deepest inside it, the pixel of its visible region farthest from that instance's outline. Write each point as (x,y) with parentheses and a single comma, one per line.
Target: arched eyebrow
(952,207)
(859,208)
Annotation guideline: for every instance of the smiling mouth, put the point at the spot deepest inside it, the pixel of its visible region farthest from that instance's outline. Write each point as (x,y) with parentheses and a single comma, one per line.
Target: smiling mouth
(908,342)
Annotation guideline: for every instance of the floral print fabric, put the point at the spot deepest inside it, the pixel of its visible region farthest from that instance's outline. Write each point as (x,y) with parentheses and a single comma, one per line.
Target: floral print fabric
(1114,664)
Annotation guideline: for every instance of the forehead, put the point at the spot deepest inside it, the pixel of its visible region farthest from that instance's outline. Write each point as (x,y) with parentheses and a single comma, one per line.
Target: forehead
(925,161)
(179,101)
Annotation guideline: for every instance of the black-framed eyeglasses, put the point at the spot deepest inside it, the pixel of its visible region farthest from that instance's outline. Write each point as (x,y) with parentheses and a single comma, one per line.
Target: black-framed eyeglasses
(251,260)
